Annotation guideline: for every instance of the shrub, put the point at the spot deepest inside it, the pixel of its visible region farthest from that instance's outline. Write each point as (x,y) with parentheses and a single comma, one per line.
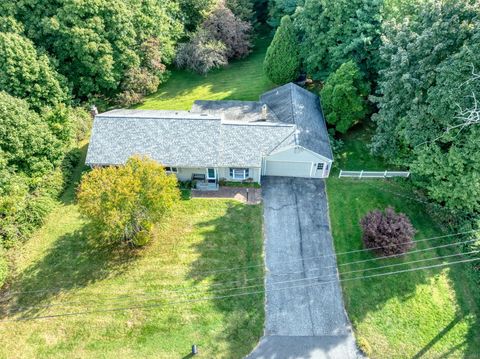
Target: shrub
(282,60)
(125,202)
(201,54)
(234,33)
(388,232)
(344,97)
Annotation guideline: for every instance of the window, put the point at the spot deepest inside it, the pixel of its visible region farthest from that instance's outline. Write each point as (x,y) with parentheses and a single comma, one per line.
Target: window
(171,169)
(320,166)
(239,173)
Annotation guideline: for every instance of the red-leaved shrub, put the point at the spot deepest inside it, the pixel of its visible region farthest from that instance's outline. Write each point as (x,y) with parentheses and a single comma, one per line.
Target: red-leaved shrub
(387,233)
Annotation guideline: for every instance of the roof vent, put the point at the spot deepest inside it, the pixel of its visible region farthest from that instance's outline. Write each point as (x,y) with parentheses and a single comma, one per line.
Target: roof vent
(264,112)
(93,111)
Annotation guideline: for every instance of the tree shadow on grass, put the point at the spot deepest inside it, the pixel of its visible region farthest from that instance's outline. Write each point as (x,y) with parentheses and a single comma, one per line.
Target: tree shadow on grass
(232,241)
(75,261)
(366,297)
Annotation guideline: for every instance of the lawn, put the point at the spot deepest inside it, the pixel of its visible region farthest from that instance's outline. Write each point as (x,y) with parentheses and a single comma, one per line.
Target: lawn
(240,80)
(65,269)
(426,314)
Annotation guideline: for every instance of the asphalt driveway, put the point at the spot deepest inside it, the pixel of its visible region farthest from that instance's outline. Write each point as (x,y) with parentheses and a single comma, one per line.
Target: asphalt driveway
(307,320)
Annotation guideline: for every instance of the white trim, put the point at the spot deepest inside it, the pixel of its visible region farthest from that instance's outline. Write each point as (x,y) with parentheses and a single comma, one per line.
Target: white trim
(233,170)
(283,149)
(207,177)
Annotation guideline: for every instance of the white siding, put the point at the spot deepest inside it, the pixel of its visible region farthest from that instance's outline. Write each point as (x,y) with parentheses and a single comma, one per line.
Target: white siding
(254,172)
(185,174)
(297,154)
(296,162)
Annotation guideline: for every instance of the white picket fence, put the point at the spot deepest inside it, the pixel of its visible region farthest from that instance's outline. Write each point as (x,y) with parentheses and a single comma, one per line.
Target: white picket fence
(373,174)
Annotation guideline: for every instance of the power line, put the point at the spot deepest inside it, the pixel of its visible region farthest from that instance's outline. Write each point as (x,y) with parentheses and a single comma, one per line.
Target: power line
(151,306)
(292,261)
(277,282)
(383,257)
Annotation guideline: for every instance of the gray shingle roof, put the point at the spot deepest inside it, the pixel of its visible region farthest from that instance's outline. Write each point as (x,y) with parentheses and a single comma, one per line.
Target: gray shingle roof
(248,111)
(214,133)
(181,139)
(295,105)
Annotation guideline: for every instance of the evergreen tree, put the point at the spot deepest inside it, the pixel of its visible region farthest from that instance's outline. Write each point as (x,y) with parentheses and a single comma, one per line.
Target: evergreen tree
(344,97)
(282,60)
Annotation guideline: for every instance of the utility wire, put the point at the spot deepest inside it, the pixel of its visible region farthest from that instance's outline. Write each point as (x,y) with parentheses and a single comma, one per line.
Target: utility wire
(151,306)
(10,293)
(20,309)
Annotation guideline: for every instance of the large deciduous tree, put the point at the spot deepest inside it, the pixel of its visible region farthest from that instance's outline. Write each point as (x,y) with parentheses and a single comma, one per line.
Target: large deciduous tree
(27,144)
(344,97)
(333,32)
(201,54)
(282,61)
(97,42)
(222,25)
(25,73)
(125,202)
(429,81)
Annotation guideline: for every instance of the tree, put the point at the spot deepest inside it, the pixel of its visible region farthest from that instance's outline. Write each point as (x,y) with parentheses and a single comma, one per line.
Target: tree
(195,11)
(334,32)
(242,9)
(201,54)
(344,97)
(279,8)
(125,202)
(282,60)
(221,25)
(97,42)
(427,83)
(387,233)
(27,144)
(26,74)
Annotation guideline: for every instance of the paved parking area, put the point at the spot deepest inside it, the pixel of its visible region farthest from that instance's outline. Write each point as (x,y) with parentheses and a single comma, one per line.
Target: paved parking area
(308,320)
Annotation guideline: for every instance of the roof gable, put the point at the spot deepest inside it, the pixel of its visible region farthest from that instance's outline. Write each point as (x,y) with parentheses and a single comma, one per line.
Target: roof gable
(295,105)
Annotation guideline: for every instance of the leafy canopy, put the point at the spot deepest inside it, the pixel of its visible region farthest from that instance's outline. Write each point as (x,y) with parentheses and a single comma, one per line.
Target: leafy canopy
(282,60)
(426,85)
(344,97)
(334,32)
(27,144)
(26,74)
(97,42)
(125,202)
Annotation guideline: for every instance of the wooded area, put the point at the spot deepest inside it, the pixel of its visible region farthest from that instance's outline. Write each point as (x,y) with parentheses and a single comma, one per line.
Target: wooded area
(411,66)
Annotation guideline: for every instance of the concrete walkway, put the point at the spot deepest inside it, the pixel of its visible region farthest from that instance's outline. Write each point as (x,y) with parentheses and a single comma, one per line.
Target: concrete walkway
(242,194)
(307,321)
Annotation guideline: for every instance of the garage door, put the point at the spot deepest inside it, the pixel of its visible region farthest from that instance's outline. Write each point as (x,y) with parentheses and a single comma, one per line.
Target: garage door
(290,169)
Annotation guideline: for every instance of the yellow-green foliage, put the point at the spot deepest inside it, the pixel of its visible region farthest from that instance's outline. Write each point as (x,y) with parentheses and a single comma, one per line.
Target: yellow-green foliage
(125,202)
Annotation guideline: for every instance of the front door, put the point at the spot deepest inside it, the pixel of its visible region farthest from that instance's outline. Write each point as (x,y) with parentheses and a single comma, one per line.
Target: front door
(211,175)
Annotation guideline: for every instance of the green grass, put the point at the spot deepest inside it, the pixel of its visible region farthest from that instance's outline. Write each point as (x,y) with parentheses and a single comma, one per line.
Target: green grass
(65,268)
(240,80)
(241,184)
(429,314)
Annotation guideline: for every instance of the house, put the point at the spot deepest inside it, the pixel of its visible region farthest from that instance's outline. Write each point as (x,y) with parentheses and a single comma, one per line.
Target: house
(283,134)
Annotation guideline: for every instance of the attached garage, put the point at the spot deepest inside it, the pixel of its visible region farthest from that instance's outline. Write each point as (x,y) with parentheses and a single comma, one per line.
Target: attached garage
(290,169)
(296,161)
